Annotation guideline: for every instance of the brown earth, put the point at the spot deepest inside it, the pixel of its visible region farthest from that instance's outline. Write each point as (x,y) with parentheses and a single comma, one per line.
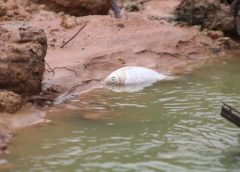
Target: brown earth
(147,38)
(210,14)
(143,39)
(10,101)
(78,7)
(22,58)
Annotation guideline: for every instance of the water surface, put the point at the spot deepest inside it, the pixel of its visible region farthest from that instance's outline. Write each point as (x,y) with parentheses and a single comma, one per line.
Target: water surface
(170,126)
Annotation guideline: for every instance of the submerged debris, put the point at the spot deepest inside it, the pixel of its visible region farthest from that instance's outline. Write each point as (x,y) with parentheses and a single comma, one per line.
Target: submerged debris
(231,114)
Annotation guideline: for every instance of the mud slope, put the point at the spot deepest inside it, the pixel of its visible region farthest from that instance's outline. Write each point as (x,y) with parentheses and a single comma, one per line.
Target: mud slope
(145,38)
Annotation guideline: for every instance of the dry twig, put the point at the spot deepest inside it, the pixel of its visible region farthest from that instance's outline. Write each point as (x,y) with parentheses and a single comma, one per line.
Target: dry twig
(65,43)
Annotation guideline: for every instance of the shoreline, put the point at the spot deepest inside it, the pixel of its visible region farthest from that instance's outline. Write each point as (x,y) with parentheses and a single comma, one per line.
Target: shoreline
(146,38)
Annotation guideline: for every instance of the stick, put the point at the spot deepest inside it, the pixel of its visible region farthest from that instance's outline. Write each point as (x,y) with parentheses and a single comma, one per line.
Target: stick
(192,11)
(51,70)
(66,69)
(65,43)
(115,9)
(235,7)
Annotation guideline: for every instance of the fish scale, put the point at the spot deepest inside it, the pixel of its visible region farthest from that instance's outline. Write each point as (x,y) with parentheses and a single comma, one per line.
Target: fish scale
(138,76)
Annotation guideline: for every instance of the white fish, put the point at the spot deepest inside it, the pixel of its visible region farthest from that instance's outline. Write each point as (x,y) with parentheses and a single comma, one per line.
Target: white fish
(133,76)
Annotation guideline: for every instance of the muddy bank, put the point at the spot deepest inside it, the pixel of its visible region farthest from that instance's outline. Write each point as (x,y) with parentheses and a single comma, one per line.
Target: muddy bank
(21,69)
(148,38)
(23,49)
(145,38)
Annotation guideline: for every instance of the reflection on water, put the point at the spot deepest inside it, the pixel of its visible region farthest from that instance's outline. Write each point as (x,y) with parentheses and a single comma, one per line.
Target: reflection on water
(170,126)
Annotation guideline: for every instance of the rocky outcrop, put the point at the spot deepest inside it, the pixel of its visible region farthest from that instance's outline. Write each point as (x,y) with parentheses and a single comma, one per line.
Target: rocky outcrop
(79,7)
(22,58)
(210,14)
(10,101)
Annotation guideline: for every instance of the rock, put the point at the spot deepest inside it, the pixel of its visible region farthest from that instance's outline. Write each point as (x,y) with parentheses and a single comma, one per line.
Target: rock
(235,7)
(22,64)
(227,43)
(135,5)
(215,34)
(12,4)
(3,10)
(5,136)
(42,7)
(10,101)
(79,7)
(238,25)
(211,14)
(69,22)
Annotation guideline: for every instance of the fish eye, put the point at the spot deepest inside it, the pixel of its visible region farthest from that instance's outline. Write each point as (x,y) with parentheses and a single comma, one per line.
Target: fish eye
(114,79)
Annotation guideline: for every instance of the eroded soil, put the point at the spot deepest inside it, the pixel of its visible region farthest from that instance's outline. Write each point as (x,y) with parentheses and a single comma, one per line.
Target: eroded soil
(145,38)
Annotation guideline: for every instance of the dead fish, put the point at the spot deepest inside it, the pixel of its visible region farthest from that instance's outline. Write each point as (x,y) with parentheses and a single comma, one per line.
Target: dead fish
(133,76)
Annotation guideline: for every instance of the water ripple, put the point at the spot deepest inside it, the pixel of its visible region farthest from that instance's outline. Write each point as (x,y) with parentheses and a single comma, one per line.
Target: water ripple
(171,126)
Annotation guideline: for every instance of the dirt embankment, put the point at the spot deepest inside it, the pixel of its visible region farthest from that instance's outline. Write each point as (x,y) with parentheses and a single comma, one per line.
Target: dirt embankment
(22,58)
(208,14)
(78,7)
(148,37)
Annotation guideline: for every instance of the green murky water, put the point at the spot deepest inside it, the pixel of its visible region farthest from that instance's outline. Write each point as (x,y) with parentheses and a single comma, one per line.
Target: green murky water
(171,126)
